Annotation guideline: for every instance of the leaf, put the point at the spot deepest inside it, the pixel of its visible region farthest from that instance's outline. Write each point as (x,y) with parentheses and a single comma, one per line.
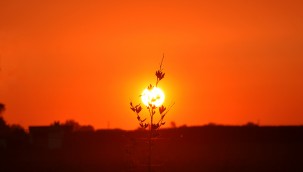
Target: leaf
(162,109)
(138,110)
(155,126)
(163,76)
(158,74)
(150,87)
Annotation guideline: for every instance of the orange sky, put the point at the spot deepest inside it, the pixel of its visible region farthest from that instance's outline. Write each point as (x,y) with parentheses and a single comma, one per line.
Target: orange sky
(227,62)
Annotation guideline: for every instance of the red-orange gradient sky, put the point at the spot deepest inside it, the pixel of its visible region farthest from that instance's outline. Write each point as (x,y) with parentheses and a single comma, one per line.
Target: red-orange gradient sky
(227,62)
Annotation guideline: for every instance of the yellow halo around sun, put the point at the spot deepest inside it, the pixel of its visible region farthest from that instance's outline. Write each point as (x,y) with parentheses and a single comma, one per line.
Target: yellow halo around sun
(155,96)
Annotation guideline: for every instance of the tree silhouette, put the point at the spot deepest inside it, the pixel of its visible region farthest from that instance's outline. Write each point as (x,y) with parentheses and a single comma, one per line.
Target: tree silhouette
(2,108)
(3,125)
(76,127)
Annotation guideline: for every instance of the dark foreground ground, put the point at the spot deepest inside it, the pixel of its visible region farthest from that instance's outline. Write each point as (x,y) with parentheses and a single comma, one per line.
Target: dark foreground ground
(207,149)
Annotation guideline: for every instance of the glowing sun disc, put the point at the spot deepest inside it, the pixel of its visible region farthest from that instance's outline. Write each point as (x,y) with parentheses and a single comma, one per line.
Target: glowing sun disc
(154,96)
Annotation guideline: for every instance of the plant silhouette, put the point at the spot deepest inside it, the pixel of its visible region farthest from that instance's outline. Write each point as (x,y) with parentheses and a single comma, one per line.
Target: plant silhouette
(152,110)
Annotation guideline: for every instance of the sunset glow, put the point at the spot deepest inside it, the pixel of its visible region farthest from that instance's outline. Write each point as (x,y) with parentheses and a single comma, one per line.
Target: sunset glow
(227,62)
(155,96)
(151,85)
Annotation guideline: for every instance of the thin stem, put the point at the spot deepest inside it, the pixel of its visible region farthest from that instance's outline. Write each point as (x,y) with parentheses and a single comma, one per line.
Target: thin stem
(150,138)
(161,62)
(160,121)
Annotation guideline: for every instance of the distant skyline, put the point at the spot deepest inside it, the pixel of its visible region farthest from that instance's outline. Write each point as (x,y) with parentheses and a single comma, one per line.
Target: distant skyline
(226,62)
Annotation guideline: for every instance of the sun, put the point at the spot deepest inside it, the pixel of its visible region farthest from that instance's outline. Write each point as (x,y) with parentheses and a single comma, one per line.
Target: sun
(155,96)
